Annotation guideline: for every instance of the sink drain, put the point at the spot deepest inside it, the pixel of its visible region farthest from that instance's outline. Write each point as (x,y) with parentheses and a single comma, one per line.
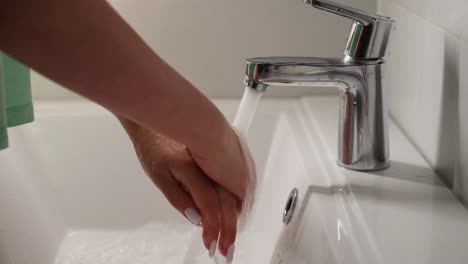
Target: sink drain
(290,206)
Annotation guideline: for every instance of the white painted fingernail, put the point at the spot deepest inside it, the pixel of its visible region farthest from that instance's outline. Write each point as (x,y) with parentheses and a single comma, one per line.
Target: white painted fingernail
(212,248)
(230,253)
(193,216)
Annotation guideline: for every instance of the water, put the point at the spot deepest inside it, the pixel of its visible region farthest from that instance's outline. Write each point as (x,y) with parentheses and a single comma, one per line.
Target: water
(246,111)
(162,242)
(241,125)
(242,121)
(165,242)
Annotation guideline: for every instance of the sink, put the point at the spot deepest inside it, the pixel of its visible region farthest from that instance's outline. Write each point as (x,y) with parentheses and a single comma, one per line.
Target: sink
(82,197)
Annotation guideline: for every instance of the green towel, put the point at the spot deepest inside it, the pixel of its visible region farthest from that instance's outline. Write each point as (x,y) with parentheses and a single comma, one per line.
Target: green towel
(15,96)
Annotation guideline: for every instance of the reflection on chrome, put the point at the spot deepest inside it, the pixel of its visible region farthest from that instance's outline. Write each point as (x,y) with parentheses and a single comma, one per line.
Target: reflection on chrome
(363,135)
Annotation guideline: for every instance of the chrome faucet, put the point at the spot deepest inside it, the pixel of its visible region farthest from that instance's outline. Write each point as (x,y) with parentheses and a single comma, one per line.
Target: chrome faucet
(363,133)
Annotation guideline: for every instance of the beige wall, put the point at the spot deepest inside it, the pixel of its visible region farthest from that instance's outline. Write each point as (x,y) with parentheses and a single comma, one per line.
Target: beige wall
(207,41)
(427,75)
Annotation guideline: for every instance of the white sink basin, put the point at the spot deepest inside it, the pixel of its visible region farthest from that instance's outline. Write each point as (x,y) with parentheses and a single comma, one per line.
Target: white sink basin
(71,181)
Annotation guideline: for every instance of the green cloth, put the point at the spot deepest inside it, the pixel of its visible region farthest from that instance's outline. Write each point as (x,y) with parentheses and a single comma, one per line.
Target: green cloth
(15,96)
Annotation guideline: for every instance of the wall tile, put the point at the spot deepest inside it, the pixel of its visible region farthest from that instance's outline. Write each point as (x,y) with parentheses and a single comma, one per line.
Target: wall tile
(447,156)
(461,182)
(413,76)
(449,15)
(428,89)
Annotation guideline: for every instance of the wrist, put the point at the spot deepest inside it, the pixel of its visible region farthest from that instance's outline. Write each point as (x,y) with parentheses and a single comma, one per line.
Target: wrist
(219,141)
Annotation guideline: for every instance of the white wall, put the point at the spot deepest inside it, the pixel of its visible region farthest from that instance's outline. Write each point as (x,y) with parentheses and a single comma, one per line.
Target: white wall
(208,41)
(427,75)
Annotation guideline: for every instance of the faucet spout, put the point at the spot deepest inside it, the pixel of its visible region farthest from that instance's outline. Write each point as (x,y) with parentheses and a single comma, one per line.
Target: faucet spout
(362,129)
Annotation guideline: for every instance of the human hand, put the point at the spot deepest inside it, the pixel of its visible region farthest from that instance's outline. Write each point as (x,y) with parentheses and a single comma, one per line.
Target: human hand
(230,164)
(173,170)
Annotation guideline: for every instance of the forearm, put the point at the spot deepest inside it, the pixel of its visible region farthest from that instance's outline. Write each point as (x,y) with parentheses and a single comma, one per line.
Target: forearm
(85,46)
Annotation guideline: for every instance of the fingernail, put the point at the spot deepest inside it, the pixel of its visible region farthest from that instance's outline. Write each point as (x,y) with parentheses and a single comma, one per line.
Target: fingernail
(230,253)
(193,216)
(212,248)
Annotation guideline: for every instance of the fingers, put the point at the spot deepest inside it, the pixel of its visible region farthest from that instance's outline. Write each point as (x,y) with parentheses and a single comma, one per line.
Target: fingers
(192,192)
(177,196)
(229,169)
(228,228)
(201,201)
(204,194)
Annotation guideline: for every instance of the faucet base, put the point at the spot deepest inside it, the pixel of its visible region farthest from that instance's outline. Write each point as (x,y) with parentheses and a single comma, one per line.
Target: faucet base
(358,167)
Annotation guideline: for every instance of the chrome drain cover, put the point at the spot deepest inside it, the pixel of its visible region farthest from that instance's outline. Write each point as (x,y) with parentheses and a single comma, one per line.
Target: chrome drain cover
(290,206)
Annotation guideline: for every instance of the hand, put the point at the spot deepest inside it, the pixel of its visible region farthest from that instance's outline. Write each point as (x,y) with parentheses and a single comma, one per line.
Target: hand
(173,170)
(230,165)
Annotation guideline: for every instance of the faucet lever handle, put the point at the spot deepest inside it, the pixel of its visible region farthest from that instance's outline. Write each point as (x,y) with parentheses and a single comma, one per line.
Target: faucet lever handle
(369,34)
(346,11)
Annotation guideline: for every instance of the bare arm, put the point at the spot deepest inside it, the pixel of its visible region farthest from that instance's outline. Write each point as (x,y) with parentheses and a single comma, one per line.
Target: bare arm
(87,47)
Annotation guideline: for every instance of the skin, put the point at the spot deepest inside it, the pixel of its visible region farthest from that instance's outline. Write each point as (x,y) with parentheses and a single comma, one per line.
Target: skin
(174,171)
(88,48)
